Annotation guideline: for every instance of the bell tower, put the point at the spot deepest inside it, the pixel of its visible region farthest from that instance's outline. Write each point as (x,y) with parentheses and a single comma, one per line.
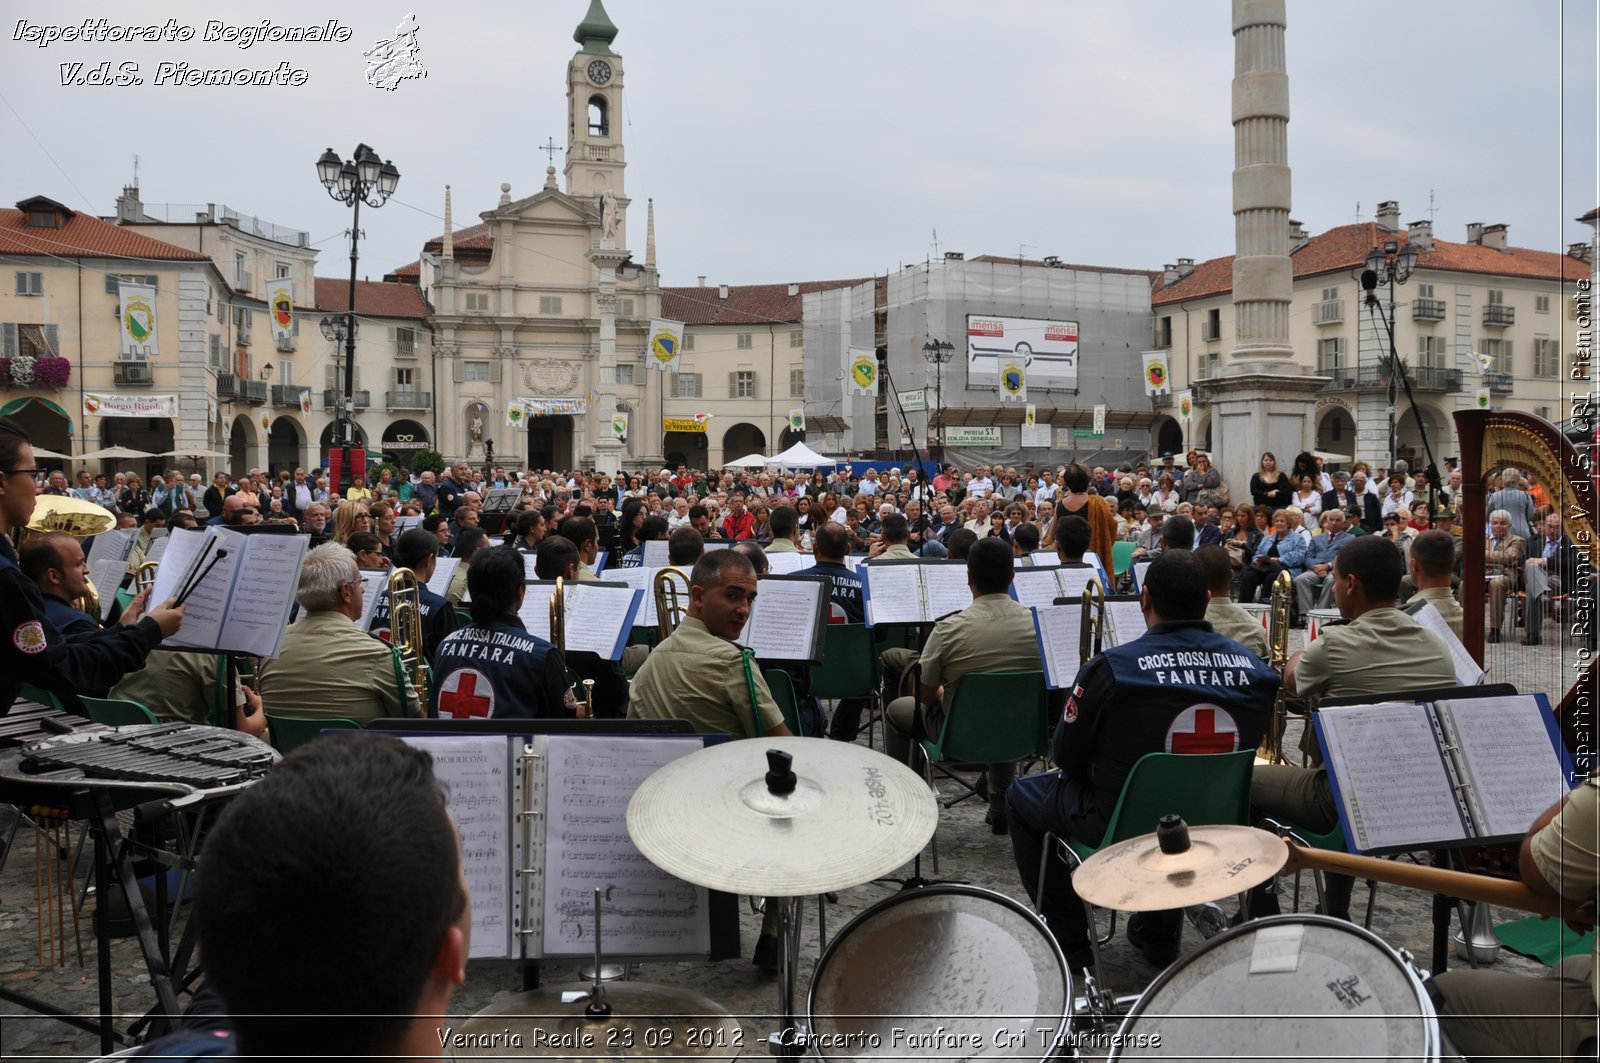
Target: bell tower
(595,158)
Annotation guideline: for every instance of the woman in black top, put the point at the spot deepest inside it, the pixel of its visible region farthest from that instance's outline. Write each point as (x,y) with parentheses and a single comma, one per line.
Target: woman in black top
(1269,487)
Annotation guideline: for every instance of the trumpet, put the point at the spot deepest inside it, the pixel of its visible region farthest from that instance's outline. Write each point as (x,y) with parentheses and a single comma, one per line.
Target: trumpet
(1278,630)
(1091,631)
(672,604)
(405,629)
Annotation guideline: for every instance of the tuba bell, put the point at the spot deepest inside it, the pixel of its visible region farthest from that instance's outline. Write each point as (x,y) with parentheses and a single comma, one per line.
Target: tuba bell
(405,628)
(74,517)
(672,603)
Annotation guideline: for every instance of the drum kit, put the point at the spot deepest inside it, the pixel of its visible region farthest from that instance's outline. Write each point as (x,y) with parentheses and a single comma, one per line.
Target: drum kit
(957,972)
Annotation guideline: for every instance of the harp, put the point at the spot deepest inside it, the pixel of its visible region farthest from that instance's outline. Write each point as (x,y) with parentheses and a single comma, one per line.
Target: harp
(1493,440)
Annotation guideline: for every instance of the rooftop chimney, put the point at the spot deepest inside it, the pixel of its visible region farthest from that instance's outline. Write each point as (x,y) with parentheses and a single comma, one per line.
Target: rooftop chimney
(702,280)
(794,289)
(1580,251)
(722,291)
(1185,267)
(1494,236)
(1475,232)
(1298,237)
(1389,215)
(1421,233)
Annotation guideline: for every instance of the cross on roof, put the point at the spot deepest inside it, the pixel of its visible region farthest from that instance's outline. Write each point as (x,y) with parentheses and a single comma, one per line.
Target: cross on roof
(550,149)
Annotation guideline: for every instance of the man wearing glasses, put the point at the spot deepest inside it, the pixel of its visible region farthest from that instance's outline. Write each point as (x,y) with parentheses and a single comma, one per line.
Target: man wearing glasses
(31,649)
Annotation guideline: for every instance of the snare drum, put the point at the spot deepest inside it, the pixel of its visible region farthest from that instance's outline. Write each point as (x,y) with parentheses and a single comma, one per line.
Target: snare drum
(942,972)
(1261,611)
(1317,619)
(1285,987)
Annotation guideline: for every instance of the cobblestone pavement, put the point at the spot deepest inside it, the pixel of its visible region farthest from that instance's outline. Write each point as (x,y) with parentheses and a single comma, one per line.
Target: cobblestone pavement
(968,851)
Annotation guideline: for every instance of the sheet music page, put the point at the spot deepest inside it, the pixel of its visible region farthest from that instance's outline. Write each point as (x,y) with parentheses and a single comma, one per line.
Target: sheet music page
(784,620)
(644,911)
(640,579)
(501,499)
(177,563)
(1139,569)
(535,611)
(476,775)
(405,524)
(117,543)
(947,588)
(1392,777)
(599,617)
(1037,586)
(1075,579)
(655,553)
(443,569)
(530,566)
(1059,629)
(1468,674)
(894,594)
(1125,623)
(158,548)
(207,604)
(106,574)
(853,561)
(1505,753)
(263,592)
(787,564)
(374,588)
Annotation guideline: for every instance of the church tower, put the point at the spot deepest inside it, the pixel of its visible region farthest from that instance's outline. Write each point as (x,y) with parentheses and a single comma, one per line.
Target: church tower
(594,121)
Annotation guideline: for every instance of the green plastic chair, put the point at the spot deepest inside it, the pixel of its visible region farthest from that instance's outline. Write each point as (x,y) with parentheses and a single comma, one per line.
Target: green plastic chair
(289,733)
(1121,559)
(114,712)
(849,669)
(1203,788)
(781,684)
(40,696)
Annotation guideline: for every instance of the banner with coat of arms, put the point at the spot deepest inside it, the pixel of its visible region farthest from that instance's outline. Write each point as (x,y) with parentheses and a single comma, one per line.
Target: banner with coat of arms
(137,320)
(1482,400)
(1013,382)
(1157,379)
(280,308)
(666,344)
(619,425)
(516,414)
(797,419)
(863,371)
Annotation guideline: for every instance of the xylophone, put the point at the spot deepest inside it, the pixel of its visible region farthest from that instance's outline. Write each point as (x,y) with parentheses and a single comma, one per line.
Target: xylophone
(29,722)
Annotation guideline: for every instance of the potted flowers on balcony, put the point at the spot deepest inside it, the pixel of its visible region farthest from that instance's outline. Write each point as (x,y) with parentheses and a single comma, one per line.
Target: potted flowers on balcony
(49,373)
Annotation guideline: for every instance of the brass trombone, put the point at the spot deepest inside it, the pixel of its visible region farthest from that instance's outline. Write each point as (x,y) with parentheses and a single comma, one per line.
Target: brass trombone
(672,604)
(405,628)
(1278,657)
(558,638)
(1091,630)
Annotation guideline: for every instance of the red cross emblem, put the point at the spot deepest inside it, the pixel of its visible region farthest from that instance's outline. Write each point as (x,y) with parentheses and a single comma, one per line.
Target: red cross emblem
(459,697)
(1203,729)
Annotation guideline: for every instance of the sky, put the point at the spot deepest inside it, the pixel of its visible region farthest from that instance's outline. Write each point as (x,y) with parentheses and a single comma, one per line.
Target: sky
(838,139)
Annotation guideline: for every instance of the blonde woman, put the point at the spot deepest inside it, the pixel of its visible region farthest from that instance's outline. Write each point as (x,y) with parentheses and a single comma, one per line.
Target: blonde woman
(349,518)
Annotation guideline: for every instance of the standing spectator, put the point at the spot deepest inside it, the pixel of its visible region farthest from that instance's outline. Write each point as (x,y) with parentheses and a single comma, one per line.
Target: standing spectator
(1269,487)
(1516,502)
(1202,477)
(214,496)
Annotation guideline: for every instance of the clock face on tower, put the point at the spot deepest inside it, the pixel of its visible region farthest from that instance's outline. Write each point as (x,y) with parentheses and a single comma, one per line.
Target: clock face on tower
(599,71)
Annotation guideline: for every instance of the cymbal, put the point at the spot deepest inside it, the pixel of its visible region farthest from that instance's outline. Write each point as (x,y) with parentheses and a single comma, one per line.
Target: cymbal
(1136,876)
(646,1022)
(710,818)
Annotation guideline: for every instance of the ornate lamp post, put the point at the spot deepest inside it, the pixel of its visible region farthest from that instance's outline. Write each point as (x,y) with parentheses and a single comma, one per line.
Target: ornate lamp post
(370,180)
(938,352)
(1390,264)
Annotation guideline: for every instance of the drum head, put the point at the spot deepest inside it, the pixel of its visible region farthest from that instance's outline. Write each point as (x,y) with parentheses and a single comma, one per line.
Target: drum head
(943,972)
(1289,987)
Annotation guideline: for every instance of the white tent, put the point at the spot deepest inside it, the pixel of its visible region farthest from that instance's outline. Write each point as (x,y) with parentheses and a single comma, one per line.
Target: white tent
(749,461)
(800,456)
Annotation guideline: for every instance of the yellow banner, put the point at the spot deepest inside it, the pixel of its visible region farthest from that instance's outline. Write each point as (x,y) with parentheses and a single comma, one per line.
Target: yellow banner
(683,424)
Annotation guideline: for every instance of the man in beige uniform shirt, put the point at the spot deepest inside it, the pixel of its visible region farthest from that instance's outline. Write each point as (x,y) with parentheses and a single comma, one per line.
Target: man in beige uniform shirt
(993,634)
(892,546)
(1432,561)
(179,685)
(327,666)
(1499,1015)
(1222,613)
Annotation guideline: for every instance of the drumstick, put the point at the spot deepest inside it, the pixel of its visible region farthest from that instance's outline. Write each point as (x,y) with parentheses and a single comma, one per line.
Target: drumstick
(38,881)
(1504,892)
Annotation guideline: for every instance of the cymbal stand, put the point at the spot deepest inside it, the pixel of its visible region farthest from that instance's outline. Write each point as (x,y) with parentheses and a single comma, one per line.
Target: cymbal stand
(791,1038)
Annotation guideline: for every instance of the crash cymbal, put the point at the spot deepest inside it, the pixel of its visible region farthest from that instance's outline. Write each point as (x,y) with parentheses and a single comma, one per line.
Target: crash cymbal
(1220,861)
(713,819)
(646,1022)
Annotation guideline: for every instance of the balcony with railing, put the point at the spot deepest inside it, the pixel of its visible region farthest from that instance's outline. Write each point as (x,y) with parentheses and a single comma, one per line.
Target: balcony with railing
(1499,315)
(1499,383)
(288,396)
(228,387)
(133,374)
(1427,309)
(253,392)
(1376,378)
(333,399)
(408,400)
(1328,312)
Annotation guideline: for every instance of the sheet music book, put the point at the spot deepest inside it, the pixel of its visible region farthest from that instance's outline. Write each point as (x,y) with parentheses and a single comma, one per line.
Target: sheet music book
(1139,569)
(1417,775)
(158,548)
(543,822)
(374,585)
(1059,631)
(117,544)
(1124,621)
(443,569)
(1043,584)
(1468,674)
(242,604)
(600,614)
(914,592)
(788,619)
(501,499)
(644,581)
(787,564)
(718,544)
(405,524)
(106,575)
(655,553)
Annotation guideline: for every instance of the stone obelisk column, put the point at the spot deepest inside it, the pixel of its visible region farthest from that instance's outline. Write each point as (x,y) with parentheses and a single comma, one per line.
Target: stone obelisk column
(1262,400)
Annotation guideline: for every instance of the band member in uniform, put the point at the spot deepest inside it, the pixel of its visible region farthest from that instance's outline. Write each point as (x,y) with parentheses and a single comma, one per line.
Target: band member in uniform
(1222,613)
(830,545)
(179,685)
(31,649)
(685,547)
(493,667)
(1134,699)
(559,557)
(581,532)
(55,563)
(530,529)
(1432,562)
(418,551)
(326,665)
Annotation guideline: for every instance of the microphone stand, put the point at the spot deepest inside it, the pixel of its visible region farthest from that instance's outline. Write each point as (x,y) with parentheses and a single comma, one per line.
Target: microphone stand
(1435,484)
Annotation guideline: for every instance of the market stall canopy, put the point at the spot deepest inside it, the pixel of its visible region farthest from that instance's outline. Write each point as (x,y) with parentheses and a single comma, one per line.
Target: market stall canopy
(749,461)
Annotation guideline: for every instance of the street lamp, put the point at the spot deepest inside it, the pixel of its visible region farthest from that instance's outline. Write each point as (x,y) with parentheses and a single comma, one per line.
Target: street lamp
(1391,264)
(364,179)
(938,352)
